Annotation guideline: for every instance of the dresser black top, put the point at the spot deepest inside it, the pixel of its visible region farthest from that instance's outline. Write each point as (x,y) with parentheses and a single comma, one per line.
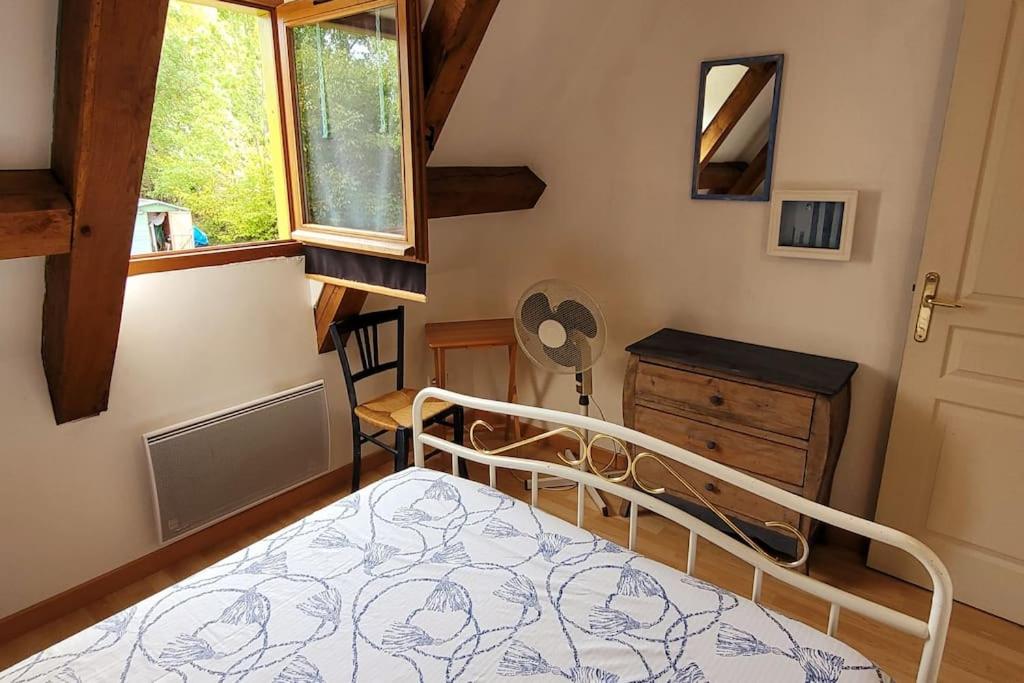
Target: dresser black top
(762,363)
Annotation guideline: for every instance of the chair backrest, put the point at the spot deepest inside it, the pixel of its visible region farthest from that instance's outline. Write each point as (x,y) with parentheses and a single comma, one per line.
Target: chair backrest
(365,330)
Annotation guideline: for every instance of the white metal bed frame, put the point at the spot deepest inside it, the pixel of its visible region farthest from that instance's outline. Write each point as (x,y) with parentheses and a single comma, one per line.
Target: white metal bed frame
(588,431)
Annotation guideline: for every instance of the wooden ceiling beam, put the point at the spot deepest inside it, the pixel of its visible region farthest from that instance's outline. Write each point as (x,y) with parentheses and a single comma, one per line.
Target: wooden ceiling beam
(753,174)
(35,215)
(718,177)
(108,58)
(335,302)
(451,37)
(733,109)
(468,190)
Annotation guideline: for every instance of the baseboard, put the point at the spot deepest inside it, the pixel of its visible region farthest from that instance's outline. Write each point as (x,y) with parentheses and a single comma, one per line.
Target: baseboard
(83,594)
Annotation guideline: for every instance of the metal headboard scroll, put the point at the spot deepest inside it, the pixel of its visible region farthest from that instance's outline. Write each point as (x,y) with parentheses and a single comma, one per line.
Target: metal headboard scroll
(586,451)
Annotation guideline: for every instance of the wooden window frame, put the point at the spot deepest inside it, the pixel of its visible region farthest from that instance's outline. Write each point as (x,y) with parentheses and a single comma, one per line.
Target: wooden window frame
(413,244)
(200,257)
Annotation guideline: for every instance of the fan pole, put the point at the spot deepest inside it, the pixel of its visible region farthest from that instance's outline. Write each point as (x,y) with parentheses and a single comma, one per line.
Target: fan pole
(584,387)
(584,383)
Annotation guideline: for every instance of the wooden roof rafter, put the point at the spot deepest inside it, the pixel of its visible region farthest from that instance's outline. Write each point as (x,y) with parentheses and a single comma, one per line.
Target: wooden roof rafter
(453,33)
(101,131)
(733,109)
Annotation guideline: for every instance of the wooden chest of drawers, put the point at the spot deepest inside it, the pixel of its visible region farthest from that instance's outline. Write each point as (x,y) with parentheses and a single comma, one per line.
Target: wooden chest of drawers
(778,415)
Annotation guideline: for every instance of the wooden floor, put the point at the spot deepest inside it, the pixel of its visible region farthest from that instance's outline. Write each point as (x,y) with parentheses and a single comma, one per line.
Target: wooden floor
(980,647)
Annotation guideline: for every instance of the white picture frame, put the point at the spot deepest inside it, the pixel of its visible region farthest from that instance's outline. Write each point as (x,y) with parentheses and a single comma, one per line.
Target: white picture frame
(814,224)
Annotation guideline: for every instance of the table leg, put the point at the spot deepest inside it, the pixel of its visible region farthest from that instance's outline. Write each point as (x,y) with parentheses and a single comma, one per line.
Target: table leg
(439,370)
(512,424)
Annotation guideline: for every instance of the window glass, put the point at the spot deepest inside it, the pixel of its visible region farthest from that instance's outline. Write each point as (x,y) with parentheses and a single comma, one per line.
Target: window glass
(349,101)
(214,167)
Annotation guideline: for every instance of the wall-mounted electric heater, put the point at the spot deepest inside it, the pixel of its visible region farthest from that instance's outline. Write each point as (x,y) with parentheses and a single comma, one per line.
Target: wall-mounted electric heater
(214,466)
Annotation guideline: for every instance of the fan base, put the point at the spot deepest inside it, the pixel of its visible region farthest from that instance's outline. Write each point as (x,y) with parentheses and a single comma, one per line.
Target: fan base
(560,483)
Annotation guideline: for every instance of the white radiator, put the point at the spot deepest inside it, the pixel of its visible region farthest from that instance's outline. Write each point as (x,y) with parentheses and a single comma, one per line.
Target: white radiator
(215,466)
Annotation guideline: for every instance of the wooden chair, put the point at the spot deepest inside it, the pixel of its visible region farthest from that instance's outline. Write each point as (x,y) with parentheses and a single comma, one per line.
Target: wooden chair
(390,412)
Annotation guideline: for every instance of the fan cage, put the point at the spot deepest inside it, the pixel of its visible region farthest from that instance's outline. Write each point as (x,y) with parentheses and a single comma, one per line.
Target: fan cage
(578,314)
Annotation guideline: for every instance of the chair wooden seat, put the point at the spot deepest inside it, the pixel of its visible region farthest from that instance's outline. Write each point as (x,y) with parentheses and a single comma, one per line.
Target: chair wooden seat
(393,410)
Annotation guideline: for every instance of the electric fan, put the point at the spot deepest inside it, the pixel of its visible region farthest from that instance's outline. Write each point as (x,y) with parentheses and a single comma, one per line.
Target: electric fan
(561,330)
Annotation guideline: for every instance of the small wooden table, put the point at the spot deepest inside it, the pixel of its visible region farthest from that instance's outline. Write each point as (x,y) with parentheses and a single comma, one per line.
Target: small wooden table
(468,334)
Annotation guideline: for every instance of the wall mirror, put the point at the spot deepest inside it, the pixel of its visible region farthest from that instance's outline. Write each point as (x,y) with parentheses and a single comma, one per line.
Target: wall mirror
(737,116)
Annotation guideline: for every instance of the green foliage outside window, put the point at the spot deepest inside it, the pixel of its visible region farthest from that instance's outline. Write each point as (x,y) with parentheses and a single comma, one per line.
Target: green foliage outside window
(350,126)
(209,144)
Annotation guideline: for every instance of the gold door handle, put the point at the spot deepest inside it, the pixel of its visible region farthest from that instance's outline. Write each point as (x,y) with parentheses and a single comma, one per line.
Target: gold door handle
(930,300)
(928,304)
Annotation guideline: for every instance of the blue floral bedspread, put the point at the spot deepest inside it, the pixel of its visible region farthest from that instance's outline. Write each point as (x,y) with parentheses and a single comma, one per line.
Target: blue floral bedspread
(425,577)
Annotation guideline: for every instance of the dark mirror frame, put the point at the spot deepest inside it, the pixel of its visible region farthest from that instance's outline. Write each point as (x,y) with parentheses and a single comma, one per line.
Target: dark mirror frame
(773,126)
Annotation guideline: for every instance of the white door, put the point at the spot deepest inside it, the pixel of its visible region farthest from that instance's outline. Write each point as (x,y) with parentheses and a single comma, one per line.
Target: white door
(954,468)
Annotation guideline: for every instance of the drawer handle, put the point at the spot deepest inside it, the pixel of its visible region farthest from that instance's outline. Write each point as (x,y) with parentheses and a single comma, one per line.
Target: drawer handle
(711,445)
(710,487)
(716,400)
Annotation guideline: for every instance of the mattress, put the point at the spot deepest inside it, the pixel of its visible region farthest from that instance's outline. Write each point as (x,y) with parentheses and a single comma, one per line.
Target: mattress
(426,577)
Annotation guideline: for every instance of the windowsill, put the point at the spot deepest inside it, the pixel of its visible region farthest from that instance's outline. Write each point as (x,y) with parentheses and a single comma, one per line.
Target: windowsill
(211,256)
(380,246)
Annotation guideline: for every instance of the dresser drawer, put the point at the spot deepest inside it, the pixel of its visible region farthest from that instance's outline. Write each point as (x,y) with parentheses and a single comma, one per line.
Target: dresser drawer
(725,496)
(759,456)
(775,411)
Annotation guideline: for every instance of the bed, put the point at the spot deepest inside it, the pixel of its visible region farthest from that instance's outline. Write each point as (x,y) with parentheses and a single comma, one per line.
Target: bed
(423,576)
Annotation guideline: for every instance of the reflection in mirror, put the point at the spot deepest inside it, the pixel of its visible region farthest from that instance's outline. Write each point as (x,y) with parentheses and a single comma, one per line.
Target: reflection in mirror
(736,124)
(349,105)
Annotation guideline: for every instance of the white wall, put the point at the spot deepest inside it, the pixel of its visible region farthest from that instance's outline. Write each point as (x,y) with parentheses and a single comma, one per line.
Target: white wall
(601,103)
(26,89)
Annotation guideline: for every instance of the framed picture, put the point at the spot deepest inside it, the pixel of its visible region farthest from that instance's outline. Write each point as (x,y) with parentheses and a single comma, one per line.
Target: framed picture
(812,224)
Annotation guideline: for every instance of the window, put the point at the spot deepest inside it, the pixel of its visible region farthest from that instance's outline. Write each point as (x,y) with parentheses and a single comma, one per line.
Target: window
(231,174)
(214,174)
(356,166)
